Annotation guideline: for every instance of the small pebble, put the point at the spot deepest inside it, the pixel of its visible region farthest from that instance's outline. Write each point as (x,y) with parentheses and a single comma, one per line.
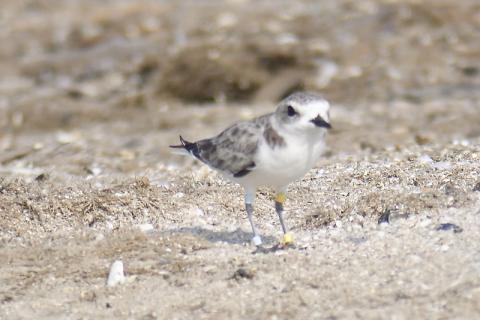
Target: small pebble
(63,137)
(477,187)
(442,165)
(41,177)
(449,226)
(385,217)
(145,227)
(99,237)
(38,146)
(358,240)
(243,273)
(425,159)
(96,170)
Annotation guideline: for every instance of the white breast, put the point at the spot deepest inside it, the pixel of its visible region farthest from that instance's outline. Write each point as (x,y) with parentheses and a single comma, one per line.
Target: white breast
(279,166)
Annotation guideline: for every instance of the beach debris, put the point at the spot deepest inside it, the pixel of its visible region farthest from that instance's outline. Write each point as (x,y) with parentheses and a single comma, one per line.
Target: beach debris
(425,159)
(384,217)
(449,226)
(477,187)
(116,275)
(243,273)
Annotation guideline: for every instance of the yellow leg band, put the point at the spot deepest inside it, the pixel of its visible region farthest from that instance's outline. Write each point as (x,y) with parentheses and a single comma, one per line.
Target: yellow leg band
(280,197)
(287,238)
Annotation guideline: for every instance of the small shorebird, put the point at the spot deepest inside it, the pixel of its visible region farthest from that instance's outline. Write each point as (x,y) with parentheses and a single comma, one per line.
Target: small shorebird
(271,150)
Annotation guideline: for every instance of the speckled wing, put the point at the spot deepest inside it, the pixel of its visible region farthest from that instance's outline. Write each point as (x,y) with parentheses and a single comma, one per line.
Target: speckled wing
(233,150)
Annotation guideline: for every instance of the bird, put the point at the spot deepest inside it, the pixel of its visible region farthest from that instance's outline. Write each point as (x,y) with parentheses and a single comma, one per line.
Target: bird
(272,150)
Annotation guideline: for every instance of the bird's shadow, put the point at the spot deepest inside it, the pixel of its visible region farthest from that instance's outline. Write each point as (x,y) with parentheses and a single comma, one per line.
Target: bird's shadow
(233,237)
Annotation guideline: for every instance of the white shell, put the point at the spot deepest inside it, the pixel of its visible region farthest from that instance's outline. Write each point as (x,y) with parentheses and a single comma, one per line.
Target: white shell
(116,275)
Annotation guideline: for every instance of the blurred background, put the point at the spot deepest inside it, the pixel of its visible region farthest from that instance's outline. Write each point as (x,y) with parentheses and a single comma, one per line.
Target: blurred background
(92,93)
(108,85)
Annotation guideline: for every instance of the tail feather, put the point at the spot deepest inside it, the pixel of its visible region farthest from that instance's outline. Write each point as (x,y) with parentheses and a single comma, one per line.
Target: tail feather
(186,147)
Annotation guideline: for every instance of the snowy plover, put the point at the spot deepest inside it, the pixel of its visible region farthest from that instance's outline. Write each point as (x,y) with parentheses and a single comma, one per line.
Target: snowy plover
(272,150)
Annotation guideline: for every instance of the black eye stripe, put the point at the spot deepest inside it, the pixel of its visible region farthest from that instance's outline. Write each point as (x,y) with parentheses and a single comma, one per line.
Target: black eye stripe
(291,112)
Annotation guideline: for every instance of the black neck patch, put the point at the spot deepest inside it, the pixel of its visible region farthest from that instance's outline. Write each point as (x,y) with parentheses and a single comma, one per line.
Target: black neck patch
(272,137)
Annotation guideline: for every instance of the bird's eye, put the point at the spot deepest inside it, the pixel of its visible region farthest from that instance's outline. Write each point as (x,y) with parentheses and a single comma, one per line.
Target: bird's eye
(291,112)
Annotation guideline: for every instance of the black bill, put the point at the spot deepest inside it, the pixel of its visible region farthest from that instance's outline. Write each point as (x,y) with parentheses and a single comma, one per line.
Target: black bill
(319,122)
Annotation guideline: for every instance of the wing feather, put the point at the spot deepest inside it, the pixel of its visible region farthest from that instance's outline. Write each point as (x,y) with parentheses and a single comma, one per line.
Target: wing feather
(234,149)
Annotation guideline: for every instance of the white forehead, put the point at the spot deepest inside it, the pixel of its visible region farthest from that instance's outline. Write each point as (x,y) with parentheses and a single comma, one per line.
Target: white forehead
(308,102)
(318,105)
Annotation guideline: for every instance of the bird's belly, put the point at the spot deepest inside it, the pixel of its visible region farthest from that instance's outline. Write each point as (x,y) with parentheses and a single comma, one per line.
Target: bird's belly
(279,166)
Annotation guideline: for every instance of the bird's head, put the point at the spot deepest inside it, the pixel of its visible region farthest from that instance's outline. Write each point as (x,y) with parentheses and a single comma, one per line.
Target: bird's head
(304,112)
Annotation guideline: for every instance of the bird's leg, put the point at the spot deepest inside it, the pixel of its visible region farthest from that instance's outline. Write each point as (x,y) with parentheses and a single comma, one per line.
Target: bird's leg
(249,196)
(279,201)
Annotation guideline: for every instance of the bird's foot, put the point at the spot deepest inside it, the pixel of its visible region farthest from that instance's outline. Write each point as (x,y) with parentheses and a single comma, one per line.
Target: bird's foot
(287,239)
(257,240)
(286,243)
